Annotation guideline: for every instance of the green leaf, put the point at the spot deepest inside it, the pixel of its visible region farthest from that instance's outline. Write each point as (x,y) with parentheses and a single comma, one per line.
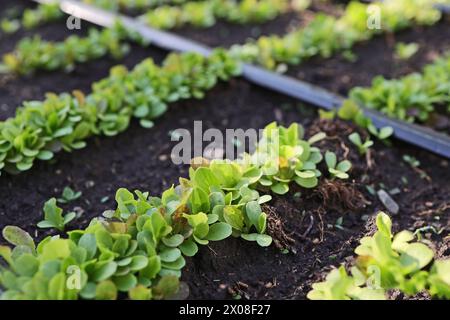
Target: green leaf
(153,267)
(166,287)
(88,242)
(175,265)
(205,179)
(18,237)
(24,166)
(234,217)
(280,188)
(69,217)
(26,265)
(125,283)
(385,133)
(170,255)
(330,159)
(5,252)
(348,110)
(317,137)
(88,291)
(53,214)
(264,240)
(199,201)
(189,248)
(355,138)
(416,256)
(56,287)
(138,262)
(344,166)
(147,124)
(46,224)
(338,174)
(253,211)
(140,292)
(103,270)
(384,224)
(401,239)
(250,236)
(264,199)
(219,231)
(308,183)
(106,290)
(54,249)
(173,241)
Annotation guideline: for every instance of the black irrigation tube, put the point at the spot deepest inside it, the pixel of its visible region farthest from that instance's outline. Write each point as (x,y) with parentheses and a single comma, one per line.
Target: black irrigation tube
(414,134)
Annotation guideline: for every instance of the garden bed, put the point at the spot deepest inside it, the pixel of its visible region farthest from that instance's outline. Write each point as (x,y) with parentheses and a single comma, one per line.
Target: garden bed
(140,159)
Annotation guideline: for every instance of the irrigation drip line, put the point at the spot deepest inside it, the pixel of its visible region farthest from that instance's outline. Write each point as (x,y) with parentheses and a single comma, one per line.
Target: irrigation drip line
(414,134)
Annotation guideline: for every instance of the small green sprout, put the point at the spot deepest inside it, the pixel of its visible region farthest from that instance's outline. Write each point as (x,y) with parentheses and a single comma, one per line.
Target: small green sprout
(53,217)
(339,223)
(9,26)
(381,134)
(405,51)
(355,138)
(69,195)
(337,170)
(413,162)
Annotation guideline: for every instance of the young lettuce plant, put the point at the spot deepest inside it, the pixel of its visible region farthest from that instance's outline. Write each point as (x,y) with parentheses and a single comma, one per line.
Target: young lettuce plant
(53,216)
(335,168)
(355,138)
(223,190)
(405,51)
(284,157)
(69,195)
(387,262)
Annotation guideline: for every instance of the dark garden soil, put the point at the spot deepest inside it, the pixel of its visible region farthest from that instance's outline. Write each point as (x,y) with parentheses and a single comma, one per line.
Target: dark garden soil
(318,229)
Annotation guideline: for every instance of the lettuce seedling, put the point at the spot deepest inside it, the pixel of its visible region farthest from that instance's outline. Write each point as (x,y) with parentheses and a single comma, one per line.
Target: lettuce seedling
(337,170)
(9,26)
(338,285)
(405,51)
(69,195)
(355,138)
(381,134)
(439,280)
(284,157)
(412,161)
(387,262)
(53,217)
